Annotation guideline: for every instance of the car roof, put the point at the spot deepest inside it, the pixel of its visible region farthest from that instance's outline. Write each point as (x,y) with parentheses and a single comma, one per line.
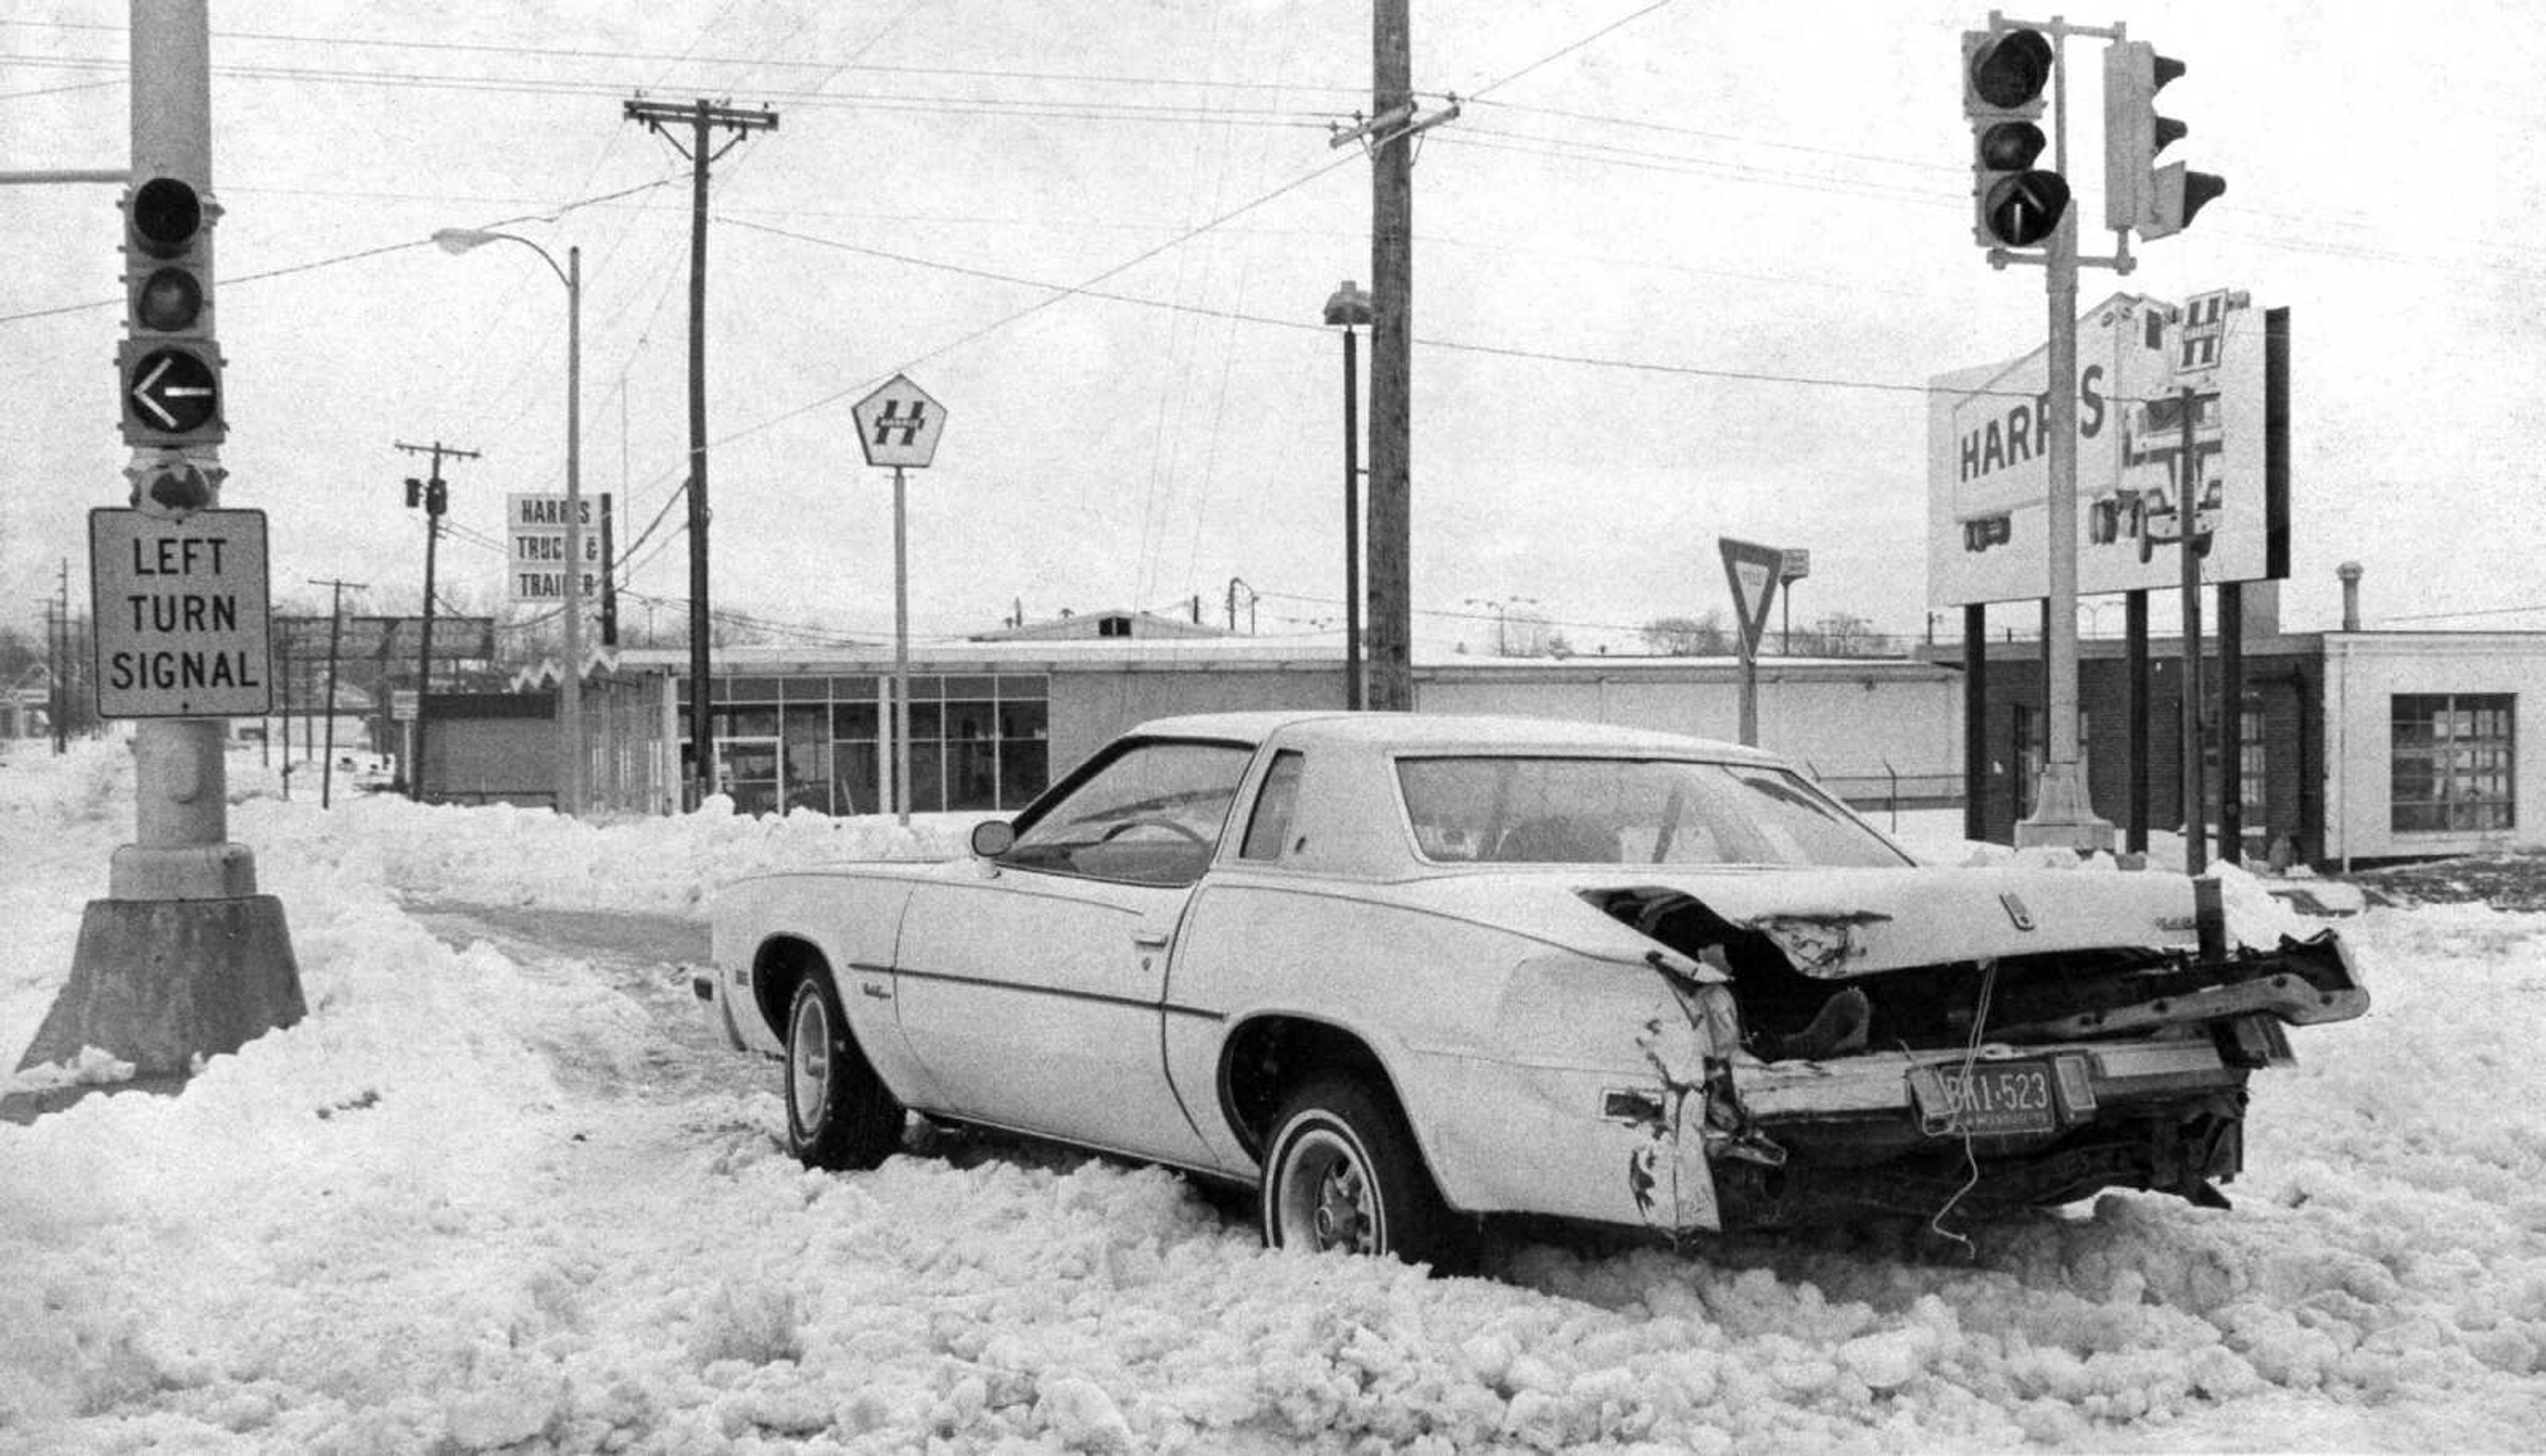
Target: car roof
(1442,731)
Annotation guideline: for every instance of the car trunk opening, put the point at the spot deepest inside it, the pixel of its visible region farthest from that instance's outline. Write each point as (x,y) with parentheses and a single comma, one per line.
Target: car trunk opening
(1796,981)
(1855,1065)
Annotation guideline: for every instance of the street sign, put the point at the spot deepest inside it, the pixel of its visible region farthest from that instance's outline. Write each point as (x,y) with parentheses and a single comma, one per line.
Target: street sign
(1752,570)
(534,547)
(1798,565)
(181,614)
(898,424)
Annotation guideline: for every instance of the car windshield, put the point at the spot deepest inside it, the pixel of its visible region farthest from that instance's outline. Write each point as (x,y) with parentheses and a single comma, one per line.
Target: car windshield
(1152,815)
(1623,811)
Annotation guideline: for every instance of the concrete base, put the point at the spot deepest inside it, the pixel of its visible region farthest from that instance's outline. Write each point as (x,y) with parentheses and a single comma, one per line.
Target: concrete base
(161,983)
(2061,817)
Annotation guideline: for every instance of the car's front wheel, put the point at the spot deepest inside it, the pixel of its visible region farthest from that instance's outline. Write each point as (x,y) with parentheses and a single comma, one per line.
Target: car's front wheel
(839,1114)
(1342,1173)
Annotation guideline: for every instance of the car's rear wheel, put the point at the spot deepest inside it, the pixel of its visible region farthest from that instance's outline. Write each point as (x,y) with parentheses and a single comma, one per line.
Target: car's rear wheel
(839,1114)
(1342,1173)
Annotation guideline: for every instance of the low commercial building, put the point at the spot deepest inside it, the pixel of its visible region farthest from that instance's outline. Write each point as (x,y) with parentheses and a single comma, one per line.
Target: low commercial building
(992,723)
(2350,745)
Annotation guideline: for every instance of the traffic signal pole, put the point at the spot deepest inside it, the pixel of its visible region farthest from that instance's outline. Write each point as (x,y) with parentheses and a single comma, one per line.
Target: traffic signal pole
(2008,214)
(182,960)
(2061,814)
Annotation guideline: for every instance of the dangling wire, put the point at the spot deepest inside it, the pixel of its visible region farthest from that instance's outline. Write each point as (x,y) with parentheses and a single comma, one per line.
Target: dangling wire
(1963,1079)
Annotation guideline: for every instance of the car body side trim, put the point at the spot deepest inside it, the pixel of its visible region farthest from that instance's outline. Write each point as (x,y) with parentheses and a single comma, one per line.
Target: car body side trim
(1165,1008)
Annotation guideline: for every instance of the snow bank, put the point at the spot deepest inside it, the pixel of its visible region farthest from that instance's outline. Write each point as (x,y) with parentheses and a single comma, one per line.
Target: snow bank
(453,1211)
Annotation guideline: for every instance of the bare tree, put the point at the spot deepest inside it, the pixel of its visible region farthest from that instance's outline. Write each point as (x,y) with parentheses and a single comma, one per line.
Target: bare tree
(1839,634)
(1702,636)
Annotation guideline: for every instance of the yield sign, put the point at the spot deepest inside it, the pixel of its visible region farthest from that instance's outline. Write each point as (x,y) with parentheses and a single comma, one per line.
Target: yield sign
(898,424)
(1752,570)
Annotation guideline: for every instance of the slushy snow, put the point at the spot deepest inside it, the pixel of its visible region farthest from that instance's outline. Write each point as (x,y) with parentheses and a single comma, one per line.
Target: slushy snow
(500,1195)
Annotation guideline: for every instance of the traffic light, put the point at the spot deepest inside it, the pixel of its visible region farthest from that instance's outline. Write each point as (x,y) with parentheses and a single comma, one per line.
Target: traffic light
(169,367)
(2016,203)
(2140,195)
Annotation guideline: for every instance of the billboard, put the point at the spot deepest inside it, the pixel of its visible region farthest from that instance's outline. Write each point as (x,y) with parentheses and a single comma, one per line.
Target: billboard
(1988,465)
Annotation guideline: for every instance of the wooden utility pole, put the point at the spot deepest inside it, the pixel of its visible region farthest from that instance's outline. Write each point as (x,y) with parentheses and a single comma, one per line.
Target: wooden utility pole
(335,640)
(434,498)
(1391,287)
(61,685)
(702,117)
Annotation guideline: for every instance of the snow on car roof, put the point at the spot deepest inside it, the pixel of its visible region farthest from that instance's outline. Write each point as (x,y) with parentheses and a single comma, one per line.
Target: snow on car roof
(1440,730)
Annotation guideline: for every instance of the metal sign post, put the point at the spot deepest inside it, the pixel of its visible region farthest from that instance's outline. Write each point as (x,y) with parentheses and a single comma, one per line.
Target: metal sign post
(1753,572)
(897,426)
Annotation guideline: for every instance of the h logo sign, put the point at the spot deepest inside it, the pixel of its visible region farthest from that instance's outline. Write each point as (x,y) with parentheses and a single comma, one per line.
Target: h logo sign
(892,419)
(897,425)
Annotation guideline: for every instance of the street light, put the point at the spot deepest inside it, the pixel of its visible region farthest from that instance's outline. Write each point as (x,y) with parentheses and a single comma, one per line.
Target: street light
(1346,306)
(571,691)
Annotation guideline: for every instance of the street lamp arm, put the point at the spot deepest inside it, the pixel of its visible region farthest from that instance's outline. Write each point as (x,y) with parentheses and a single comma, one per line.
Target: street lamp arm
(457,240)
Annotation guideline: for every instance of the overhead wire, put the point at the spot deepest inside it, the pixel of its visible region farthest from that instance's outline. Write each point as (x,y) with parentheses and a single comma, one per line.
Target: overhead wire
(1003,73)
(1565,50)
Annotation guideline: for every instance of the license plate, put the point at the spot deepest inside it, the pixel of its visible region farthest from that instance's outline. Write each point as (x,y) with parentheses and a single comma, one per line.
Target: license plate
(1991,1099)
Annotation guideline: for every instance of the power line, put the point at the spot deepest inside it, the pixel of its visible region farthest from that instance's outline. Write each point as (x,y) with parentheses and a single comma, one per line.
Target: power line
(1565,50)
(1299,325)
(353,257)
(810,63)
(919,102)
(1729,138)
(1059,291)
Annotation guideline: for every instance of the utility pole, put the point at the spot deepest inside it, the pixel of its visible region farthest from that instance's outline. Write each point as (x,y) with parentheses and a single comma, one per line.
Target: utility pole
(53,671)
(62,671)
(433,497)
(609,583)
(1389,136)
(1392,339)
(335,640)
(702,116)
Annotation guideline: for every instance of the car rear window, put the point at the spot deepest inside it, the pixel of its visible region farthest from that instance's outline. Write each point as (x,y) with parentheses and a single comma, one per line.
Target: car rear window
(1552,810)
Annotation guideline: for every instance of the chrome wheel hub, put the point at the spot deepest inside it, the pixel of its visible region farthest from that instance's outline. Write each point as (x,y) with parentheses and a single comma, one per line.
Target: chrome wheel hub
(808,1060)
(1326,1199)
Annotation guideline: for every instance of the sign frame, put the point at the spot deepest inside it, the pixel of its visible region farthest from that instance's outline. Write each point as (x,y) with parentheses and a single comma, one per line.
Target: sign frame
(1766,562)
(900,404)
(1988,472)
(232,622)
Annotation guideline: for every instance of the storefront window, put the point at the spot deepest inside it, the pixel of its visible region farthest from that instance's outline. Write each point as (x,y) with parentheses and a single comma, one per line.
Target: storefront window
(2451,760)
(978,742)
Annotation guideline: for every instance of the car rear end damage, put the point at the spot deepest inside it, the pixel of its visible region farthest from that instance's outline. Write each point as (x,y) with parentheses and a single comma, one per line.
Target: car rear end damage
(1836,1059)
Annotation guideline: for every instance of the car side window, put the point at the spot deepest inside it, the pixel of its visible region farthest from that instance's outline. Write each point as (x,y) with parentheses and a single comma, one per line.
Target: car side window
(1269,829)
(1151,816)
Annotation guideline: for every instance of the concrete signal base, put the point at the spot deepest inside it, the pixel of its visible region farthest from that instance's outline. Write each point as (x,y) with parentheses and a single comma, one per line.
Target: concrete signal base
(161,984)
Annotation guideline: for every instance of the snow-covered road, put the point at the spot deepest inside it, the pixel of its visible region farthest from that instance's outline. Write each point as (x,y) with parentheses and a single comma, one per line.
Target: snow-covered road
(498,1191)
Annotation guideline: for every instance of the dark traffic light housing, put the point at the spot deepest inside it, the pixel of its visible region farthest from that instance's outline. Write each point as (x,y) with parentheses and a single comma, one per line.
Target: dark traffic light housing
(2138,194)
(169,366)
(2015,205)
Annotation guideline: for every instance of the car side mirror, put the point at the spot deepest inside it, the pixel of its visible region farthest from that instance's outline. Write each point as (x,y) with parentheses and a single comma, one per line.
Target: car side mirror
(992,838)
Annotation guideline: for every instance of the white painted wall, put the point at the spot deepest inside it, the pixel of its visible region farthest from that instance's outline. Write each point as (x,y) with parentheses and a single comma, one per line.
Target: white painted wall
(2364,671)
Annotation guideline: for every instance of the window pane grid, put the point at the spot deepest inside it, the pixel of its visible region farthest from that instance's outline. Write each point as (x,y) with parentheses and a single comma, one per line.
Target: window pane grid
(2450,763)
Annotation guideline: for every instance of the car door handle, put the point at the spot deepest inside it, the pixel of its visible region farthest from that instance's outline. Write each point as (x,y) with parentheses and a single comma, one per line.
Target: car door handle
(1149,940)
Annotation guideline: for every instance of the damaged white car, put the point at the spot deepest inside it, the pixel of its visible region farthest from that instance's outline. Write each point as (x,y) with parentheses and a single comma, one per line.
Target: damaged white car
(1402,972)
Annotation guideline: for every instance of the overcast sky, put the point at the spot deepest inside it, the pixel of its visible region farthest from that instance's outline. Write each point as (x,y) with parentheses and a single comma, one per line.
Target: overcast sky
(1678,277)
